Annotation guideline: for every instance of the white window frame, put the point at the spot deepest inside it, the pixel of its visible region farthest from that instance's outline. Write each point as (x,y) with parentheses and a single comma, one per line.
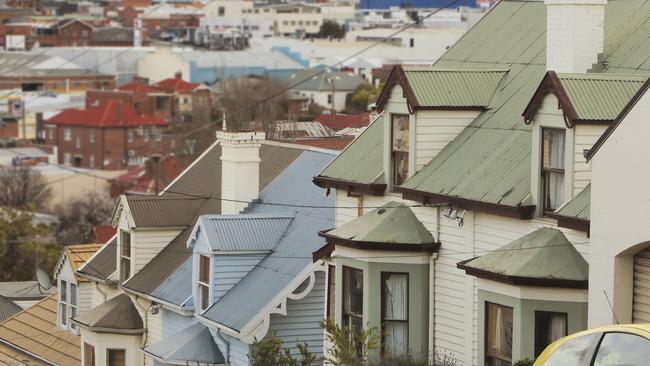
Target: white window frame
(67,134)
(129,135)
(63,304)
(125,258)
(201,285)
(73,306)
(78,142)
(91,135)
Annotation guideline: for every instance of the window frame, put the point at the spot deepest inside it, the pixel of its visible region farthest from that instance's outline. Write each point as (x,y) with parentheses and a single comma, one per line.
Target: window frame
(348,269)
(108,357)
(125,275)
(487,330)
(330,310)
(537,343)
(89,347)
(384,321)
(63,303)
(204,289)
(394,154)
(91,135)
(67,134)
(73,306)
(545,172)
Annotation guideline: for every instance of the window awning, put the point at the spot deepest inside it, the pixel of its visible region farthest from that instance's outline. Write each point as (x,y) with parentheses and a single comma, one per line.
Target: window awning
(193,345)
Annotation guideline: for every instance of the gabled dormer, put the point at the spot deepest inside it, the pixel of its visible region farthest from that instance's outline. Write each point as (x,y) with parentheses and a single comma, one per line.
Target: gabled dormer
(226,248)
(146,224)
(425,108)
(569,112)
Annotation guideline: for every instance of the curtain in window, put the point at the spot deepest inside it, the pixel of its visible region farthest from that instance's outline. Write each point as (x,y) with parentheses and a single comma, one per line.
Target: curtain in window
(499,333)
(556,189)
(557,327)
(396,314)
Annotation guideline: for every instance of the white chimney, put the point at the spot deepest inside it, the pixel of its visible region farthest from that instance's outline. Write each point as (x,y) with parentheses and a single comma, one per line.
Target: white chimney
(575,32)
(240,169)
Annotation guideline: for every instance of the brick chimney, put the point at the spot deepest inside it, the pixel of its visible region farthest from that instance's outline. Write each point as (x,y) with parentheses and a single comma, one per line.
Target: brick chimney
(178,75)
(240,169)
(575,32)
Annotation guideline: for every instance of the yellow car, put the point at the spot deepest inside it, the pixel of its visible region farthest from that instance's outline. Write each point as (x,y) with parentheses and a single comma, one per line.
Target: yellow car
(614,345)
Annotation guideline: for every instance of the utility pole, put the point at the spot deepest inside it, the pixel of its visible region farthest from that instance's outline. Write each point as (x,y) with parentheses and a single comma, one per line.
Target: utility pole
(156,171)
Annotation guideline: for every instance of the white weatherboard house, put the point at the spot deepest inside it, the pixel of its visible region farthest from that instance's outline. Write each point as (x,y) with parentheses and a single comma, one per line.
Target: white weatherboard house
(488,149)
(168,288)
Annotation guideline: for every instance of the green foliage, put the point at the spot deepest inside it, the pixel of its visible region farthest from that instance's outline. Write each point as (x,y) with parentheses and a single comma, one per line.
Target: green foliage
(24,244)
(349,347)
(524,362)
(331,29)
(364,95)
(269,352)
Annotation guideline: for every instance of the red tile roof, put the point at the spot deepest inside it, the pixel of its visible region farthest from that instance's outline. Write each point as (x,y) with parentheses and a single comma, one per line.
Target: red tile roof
(341,121)
(105,115)
(176,85)
(104,233)
(331,143)
(139,87)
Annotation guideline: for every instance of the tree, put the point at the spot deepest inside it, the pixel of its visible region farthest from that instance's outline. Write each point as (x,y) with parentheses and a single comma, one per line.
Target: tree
(23,188)
(349,346)
(24,244)
(364,95)
(77,220)
(269,352)
(331,29)
(268,97)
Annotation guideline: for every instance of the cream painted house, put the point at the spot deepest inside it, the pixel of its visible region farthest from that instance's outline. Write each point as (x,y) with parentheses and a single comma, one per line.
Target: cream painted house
(488,148)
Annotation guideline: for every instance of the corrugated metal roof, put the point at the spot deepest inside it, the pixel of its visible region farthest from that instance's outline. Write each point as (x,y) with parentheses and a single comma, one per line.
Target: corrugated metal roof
(579,207)
(173,288)
(192,345)
(448,87)
(293,253)
(164,210)
(600,96)
(14,357)
(394,222)
(35,330)
(7,308)
(80,253)
(543,254)
(118,314)
(361,161)
(204,177)
(243,232)
(103,264)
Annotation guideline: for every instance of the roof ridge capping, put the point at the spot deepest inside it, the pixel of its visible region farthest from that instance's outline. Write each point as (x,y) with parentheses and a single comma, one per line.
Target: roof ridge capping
(444,88)
(586,97)
(544,257)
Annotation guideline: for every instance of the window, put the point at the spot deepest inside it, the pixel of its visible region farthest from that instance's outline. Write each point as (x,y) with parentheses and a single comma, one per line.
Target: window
(116,357)
(549,327)
(146,135)
(352,297)
(67,134)
(89,354)
(204,281)
(63,302)
(394,313)
(222,11)
(622,349)
(329,99)
(129,135)
(498,339)
(67,158)
(73,304)
(331,291)
(92,161)
(50,133)
(78,142)
(577,351)
(91,135)
(399,148)
(552,168)
(125,266)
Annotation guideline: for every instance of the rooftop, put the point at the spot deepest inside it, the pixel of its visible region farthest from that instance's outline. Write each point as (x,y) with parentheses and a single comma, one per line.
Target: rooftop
(108,114)
(117,315)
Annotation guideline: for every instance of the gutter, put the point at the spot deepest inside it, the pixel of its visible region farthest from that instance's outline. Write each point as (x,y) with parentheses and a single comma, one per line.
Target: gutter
(173,307)
(220,336)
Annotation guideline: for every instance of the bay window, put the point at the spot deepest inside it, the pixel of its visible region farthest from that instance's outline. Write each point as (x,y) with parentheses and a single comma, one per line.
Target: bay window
(331,286)
(125,263)
(116,357)
(498,345)
(549,327)
(394,313)
(204,281)
(552,178)
(352,298)
(399,148)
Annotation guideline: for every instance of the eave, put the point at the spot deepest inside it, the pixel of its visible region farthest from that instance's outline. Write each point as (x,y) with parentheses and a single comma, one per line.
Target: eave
(398,77)
(522,281)
(518,212)
(571,222)
(373,189)
(333,241)
(551,85)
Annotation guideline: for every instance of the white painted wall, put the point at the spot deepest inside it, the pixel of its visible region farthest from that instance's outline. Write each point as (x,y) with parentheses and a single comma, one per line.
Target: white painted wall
(321,98)
(105,341)
(163,64)
(620,207)
(147,243)
(585,137)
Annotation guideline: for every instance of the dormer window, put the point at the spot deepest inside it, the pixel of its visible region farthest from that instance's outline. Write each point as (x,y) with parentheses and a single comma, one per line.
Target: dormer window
(125,263)
(552,168)
(204,282)
(67,303)
(63,302)
(399,148)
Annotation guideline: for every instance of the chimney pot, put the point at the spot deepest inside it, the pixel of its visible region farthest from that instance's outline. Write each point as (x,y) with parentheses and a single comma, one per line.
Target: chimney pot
(178,75)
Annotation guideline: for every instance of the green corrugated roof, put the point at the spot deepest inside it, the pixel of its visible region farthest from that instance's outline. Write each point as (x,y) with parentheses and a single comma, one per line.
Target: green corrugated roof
(393,223)
(579,207)
(361,161)
(600,96)
(543,254)
(489,161)
(445,87)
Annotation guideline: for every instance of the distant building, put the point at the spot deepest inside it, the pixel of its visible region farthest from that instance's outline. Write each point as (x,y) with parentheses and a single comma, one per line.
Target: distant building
(326,89)
(108,135)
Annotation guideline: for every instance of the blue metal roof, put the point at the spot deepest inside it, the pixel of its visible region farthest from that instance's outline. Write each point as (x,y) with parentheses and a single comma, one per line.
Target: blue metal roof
(193,344)
(176,288)
(292,254)
(241,232)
